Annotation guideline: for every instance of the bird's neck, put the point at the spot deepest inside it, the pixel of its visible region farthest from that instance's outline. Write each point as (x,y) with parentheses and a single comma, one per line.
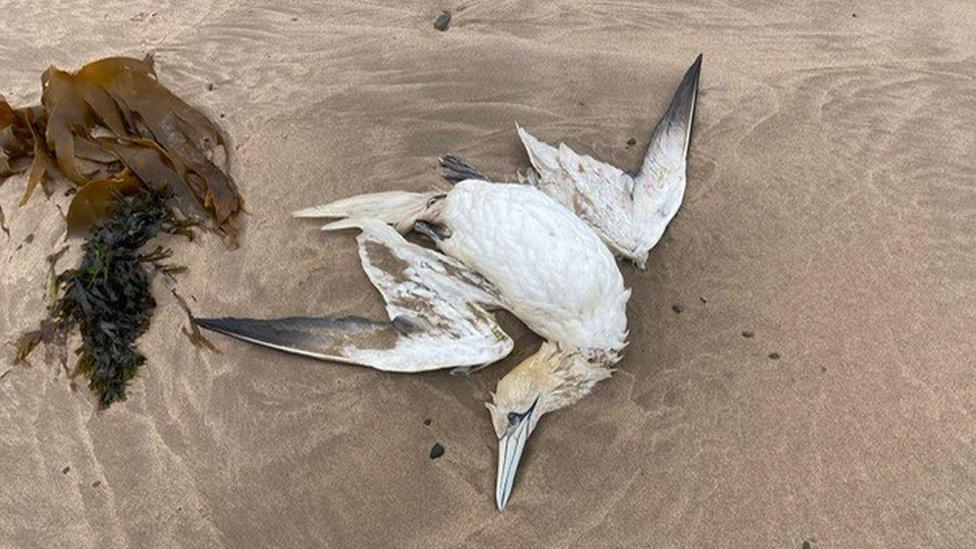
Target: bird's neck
(562,376)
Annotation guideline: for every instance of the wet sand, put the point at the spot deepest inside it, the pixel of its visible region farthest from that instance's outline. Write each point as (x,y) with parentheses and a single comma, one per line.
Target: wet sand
(830,211)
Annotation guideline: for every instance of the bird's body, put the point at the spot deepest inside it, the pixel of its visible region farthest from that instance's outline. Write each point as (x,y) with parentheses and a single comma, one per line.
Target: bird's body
(543,250)
(550,269)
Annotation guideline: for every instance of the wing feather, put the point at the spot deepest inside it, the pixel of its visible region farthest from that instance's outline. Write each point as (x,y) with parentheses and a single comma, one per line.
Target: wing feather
(629,213)
(436,307)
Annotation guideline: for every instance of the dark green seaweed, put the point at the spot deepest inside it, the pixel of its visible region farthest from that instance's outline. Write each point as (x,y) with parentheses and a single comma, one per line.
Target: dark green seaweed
(108,296)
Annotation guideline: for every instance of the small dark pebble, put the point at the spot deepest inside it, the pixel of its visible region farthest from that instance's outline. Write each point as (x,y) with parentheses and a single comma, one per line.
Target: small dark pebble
(442,21)
(294,19)
(29,238)
(806,545)
(631,141)
(222,115)
(774,355)
(70,191)
(436,451)
(747,334)
(823,369)
(96,484)
(427,421)
(853,15)
(677,308)
(210,86)
(703,300)
(65,470)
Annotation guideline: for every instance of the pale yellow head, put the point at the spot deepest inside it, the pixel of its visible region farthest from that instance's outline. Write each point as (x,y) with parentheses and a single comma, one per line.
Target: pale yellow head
(548,380)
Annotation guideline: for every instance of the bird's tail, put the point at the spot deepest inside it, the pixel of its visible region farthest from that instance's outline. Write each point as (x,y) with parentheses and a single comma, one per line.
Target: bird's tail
(457,169)
(398,208)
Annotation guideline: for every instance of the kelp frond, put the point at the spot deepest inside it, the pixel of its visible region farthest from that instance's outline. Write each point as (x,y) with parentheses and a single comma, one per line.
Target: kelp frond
(112,127)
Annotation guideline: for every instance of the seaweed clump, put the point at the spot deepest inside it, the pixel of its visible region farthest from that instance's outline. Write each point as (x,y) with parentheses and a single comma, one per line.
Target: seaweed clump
(111,128)
(143,162)
(108,296)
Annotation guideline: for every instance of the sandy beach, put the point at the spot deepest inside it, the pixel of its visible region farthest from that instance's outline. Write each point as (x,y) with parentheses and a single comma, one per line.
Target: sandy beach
(830,213)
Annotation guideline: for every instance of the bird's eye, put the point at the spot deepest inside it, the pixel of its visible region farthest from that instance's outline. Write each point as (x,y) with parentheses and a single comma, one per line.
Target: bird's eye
(513,417)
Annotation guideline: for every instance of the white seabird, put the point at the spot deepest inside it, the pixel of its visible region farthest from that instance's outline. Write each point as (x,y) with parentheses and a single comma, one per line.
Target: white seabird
(505,246)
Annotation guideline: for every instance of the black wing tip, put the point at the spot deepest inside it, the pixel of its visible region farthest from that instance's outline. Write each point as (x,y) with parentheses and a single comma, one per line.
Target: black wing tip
(694,71)
(692,76)
(682,107)
(679,118)
(292,334)
(222,325)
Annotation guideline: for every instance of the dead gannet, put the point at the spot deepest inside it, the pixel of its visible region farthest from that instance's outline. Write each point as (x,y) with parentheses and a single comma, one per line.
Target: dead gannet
(505,246)
(510,247)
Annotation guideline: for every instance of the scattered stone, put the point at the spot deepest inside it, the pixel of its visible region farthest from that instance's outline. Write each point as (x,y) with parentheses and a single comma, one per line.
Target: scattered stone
(294,19)
(823,369)
(853,15)
(774,355)
(677,308)
(436,451)
(747,334)
(443,21)
(65,470)
(210,86)
(96,484)
(29,238)
(631,142)
(806,545)
(703,300)
(427,421)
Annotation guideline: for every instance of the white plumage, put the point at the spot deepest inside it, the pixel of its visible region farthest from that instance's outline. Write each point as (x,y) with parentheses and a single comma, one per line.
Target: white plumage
(551,270)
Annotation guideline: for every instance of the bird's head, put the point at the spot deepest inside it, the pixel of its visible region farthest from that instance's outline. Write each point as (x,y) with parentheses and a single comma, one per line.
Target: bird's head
(548,380)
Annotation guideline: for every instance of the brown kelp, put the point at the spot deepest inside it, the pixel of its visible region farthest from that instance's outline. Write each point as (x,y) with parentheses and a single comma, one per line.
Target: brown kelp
(143,162)
(112,127)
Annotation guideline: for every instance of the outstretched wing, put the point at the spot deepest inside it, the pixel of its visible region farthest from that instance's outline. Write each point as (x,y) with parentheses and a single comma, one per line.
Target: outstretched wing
(629,212)
(436,307)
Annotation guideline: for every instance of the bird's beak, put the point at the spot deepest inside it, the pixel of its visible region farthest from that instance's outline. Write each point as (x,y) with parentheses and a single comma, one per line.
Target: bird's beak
(510,447)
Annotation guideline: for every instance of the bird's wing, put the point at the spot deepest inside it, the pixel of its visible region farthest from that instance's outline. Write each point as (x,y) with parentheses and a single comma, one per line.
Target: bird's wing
(660,185)
(598,192)
(629,212)
(436,306)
